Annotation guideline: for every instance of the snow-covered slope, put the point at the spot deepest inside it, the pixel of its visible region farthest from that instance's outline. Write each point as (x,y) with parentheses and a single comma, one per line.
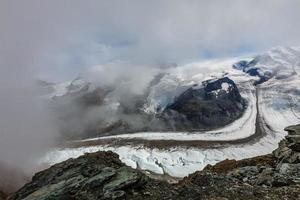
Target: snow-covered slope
(68,88)
(277,101)
(278,63)
(178,79)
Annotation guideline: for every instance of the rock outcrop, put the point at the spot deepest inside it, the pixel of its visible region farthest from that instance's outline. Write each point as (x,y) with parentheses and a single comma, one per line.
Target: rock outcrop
(213,104)
(102,175)
(98,175)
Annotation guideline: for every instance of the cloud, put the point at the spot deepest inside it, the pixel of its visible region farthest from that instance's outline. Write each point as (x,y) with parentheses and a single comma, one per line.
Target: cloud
(71,35)
(122,76)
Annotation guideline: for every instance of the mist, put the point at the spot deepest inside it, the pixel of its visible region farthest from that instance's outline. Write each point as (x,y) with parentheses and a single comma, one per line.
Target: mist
(116,43)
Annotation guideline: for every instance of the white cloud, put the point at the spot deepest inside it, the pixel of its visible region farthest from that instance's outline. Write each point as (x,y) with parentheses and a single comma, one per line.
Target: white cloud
(73,34)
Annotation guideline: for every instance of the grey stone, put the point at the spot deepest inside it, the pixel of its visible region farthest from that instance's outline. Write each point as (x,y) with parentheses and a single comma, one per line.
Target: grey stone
(293,130)
(125,176)
(114,195)
(280,180)
(293,138)
(295,147)
(266,177)
(287,168)
(104,175)
(281,153)
(294,157)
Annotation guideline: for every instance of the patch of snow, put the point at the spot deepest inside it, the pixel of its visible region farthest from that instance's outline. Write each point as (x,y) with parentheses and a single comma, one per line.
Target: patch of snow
(225,86)
(60,89)
(68,87)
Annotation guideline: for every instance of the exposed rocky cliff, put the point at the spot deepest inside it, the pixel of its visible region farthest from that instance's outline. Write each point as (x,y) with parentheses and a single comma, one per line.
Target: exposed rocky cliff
(215,103)
(102,175)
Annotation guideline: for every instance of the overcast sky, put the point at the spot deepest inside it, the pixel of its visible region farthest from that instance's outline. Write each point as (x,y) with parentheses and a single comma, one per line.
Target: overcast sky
(64,38)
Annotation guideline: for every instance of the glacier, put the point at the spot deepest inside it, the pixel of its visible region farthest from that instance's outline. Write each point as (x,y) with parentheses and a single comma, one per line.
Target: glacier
(275,102)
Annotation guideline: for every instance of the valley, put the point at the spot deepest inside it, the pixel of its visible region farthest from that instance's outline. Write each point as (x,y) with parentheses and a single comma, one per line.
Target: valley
(271,106)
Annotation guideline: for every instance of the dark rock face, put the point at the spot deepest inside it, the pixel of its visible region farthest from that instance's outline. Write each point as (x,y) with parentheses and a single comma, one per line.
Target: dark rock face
(102,175)
(92,176)
(216,103)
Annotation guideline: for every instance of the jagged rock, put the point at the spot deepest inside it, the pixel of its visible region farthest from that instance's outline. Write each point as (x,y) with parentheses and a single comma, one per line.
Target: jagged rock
(293,139)
(289,172)
(293,130)
(245,174)
(287,168)
(294,158)
(226,166)
(265,177)
(97,180)
(125,177)
(295,147)
(289,148)
(280,180)
(87,177)
(283,152)
(114,194)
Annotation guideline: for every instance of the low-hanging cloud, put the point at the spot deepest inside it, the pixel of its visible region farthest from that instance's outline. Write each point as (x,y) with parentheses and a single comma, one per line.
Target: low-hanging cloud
(175,31)
(72,35)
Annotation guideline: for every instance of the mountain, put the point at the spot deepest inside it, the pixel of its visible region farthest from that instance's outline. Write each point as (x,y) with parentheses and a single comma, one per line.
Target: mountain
(128,114)
(214,103)
(278,63)
(134,127)
(102,175)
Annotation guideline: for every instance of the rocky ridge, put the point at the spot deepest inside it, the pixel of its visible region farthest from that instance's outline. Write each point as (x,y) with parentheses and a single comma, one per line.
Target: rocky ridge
(102,175)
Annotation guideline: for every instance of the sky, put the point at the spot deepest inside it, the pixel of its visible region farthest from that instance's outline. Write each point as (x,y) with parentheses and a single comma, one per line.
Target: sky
(58,40)
(65,38)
